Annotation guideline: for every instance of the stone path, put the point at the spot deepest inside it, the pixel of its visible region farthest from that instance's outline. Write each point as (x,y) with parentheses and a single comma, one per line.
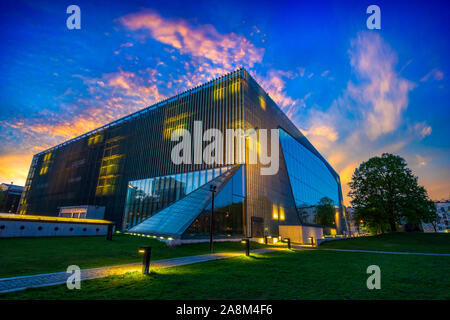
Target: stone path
(51,279)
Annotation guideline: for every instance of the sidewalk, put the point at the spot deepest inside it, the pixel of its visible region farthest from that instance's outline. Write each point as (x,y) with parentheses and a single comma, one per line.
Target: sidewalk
(51,279)
(392,252)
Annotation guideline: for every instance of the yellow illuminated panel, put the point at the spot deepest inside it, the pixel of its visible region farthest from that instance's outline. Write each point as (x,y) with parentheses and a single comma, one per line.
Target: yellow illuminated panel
(262,102)
(219,93)
(93,140)
(274,212)
(109,168)
(235,86)
(168,131)
(173,123)
(282,217)
(43,170)
(45,163)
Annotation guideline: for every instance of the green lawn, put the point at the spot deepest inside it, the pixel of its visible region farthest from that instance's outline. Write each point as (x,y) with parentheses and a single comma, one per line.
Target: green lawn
(25,256)
(308,274)
(407,242)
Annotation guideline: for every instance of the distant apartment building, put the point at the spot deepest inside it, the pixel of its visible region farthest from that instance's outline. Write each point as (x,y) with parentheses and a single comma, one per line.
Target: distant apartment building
(11,197)
(443,212)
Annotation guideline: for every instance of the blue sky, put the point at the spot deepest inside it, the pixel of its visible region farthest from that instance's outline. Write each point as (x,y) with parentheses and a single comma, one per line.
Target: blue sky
(353,92)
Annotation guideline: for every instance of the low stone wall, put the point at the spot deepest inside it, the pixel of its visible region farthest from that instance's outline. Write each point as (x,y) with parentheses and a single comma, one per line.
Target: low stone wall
(15,228)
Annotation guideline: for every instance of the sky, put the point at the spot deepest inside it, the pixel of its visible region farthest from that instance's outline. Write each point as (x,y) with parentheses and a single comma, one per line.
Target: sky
(355,93)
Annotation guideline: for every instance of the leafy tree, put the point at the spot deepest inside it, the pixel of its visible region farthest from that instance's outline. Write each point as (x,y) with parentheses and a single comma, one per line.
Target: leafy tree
(325,213)
(384,192)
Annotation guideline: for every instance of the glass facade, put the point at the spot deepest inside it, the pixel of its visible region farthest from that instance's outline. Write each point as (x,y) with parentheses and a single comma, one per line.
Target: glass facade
(173,220)
(310,179)
(147,196)
(228,210)
(126,165)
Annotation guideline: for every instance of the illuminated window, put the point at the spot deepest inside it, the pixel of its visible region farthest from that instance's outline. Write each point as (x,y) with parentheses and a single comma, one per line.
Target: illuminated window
(262,102)
(94,139)
(274,212)
(43,170)
(282,217)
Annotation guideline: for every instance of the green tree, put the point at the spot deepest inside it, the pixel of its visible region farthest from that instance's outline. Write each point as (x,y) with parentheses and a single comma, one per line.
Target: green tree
(384,192)
(325,213)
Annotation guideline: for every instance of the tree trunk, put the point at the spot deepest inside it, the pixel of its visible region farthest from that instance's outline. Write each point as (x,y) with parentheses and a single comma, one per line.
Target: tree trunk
(434,226)
(393,225)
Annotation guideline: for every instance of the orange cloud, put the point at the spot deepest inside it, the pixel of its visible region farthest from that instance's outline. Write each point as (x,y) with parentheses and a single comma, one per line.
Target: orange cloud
(114,95)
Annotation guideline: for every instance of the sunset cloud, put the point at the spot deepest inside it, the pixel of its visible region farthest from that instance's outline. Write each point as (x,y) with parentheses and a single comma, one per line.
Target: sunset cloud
(204,41)
(434,74)
(422,129)
(383,95)
(370,108)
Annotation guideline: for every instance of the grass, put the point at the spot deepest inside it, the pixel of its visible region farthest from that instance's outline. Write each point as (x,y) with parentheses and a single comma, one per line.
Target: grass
(398,242)
(308,274)
(26,256)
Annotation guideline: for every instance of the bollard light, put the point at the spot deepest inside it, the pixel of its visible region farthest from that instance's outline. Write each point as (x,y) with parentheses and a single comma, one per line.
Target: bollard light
(288,240)
(247,246)
(147,251)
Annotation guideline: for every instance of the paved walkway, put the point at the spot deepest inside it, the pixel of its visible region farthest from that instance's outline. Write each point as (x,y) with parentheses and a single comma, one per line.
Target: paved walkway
(372,251)
(51,279)
(393,252)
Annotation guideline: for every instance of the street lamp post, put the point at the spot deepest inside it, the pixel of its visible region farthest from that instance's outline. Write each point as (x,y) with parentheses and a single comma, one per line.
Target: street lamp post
(212,188)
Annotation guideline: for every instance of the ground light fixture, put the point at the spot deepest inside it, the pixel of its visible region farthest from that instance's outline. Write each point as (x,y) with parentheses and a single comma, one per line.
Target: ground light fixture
(246,241)
(147,252)
(288,240)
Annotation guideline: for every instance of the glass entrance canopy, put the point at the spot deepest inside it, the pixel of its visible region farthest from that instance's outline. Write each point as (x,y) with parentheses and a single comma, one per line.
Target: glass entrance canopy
(173,220)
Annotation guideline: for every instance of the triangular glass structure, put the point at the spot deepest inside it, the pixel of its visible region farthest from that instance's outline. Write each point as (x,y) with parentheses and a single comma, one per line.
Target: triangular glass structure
(173,220)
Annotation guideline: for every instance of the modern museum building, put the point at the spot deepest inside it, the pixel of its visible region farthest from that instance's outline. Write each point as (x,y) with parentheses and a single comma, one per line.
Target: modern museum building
(127,167)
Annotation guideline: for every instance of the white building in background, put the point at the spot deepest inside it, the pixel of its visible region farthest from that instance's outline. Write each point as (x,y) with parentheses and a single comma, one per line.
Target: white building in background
(443,211)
